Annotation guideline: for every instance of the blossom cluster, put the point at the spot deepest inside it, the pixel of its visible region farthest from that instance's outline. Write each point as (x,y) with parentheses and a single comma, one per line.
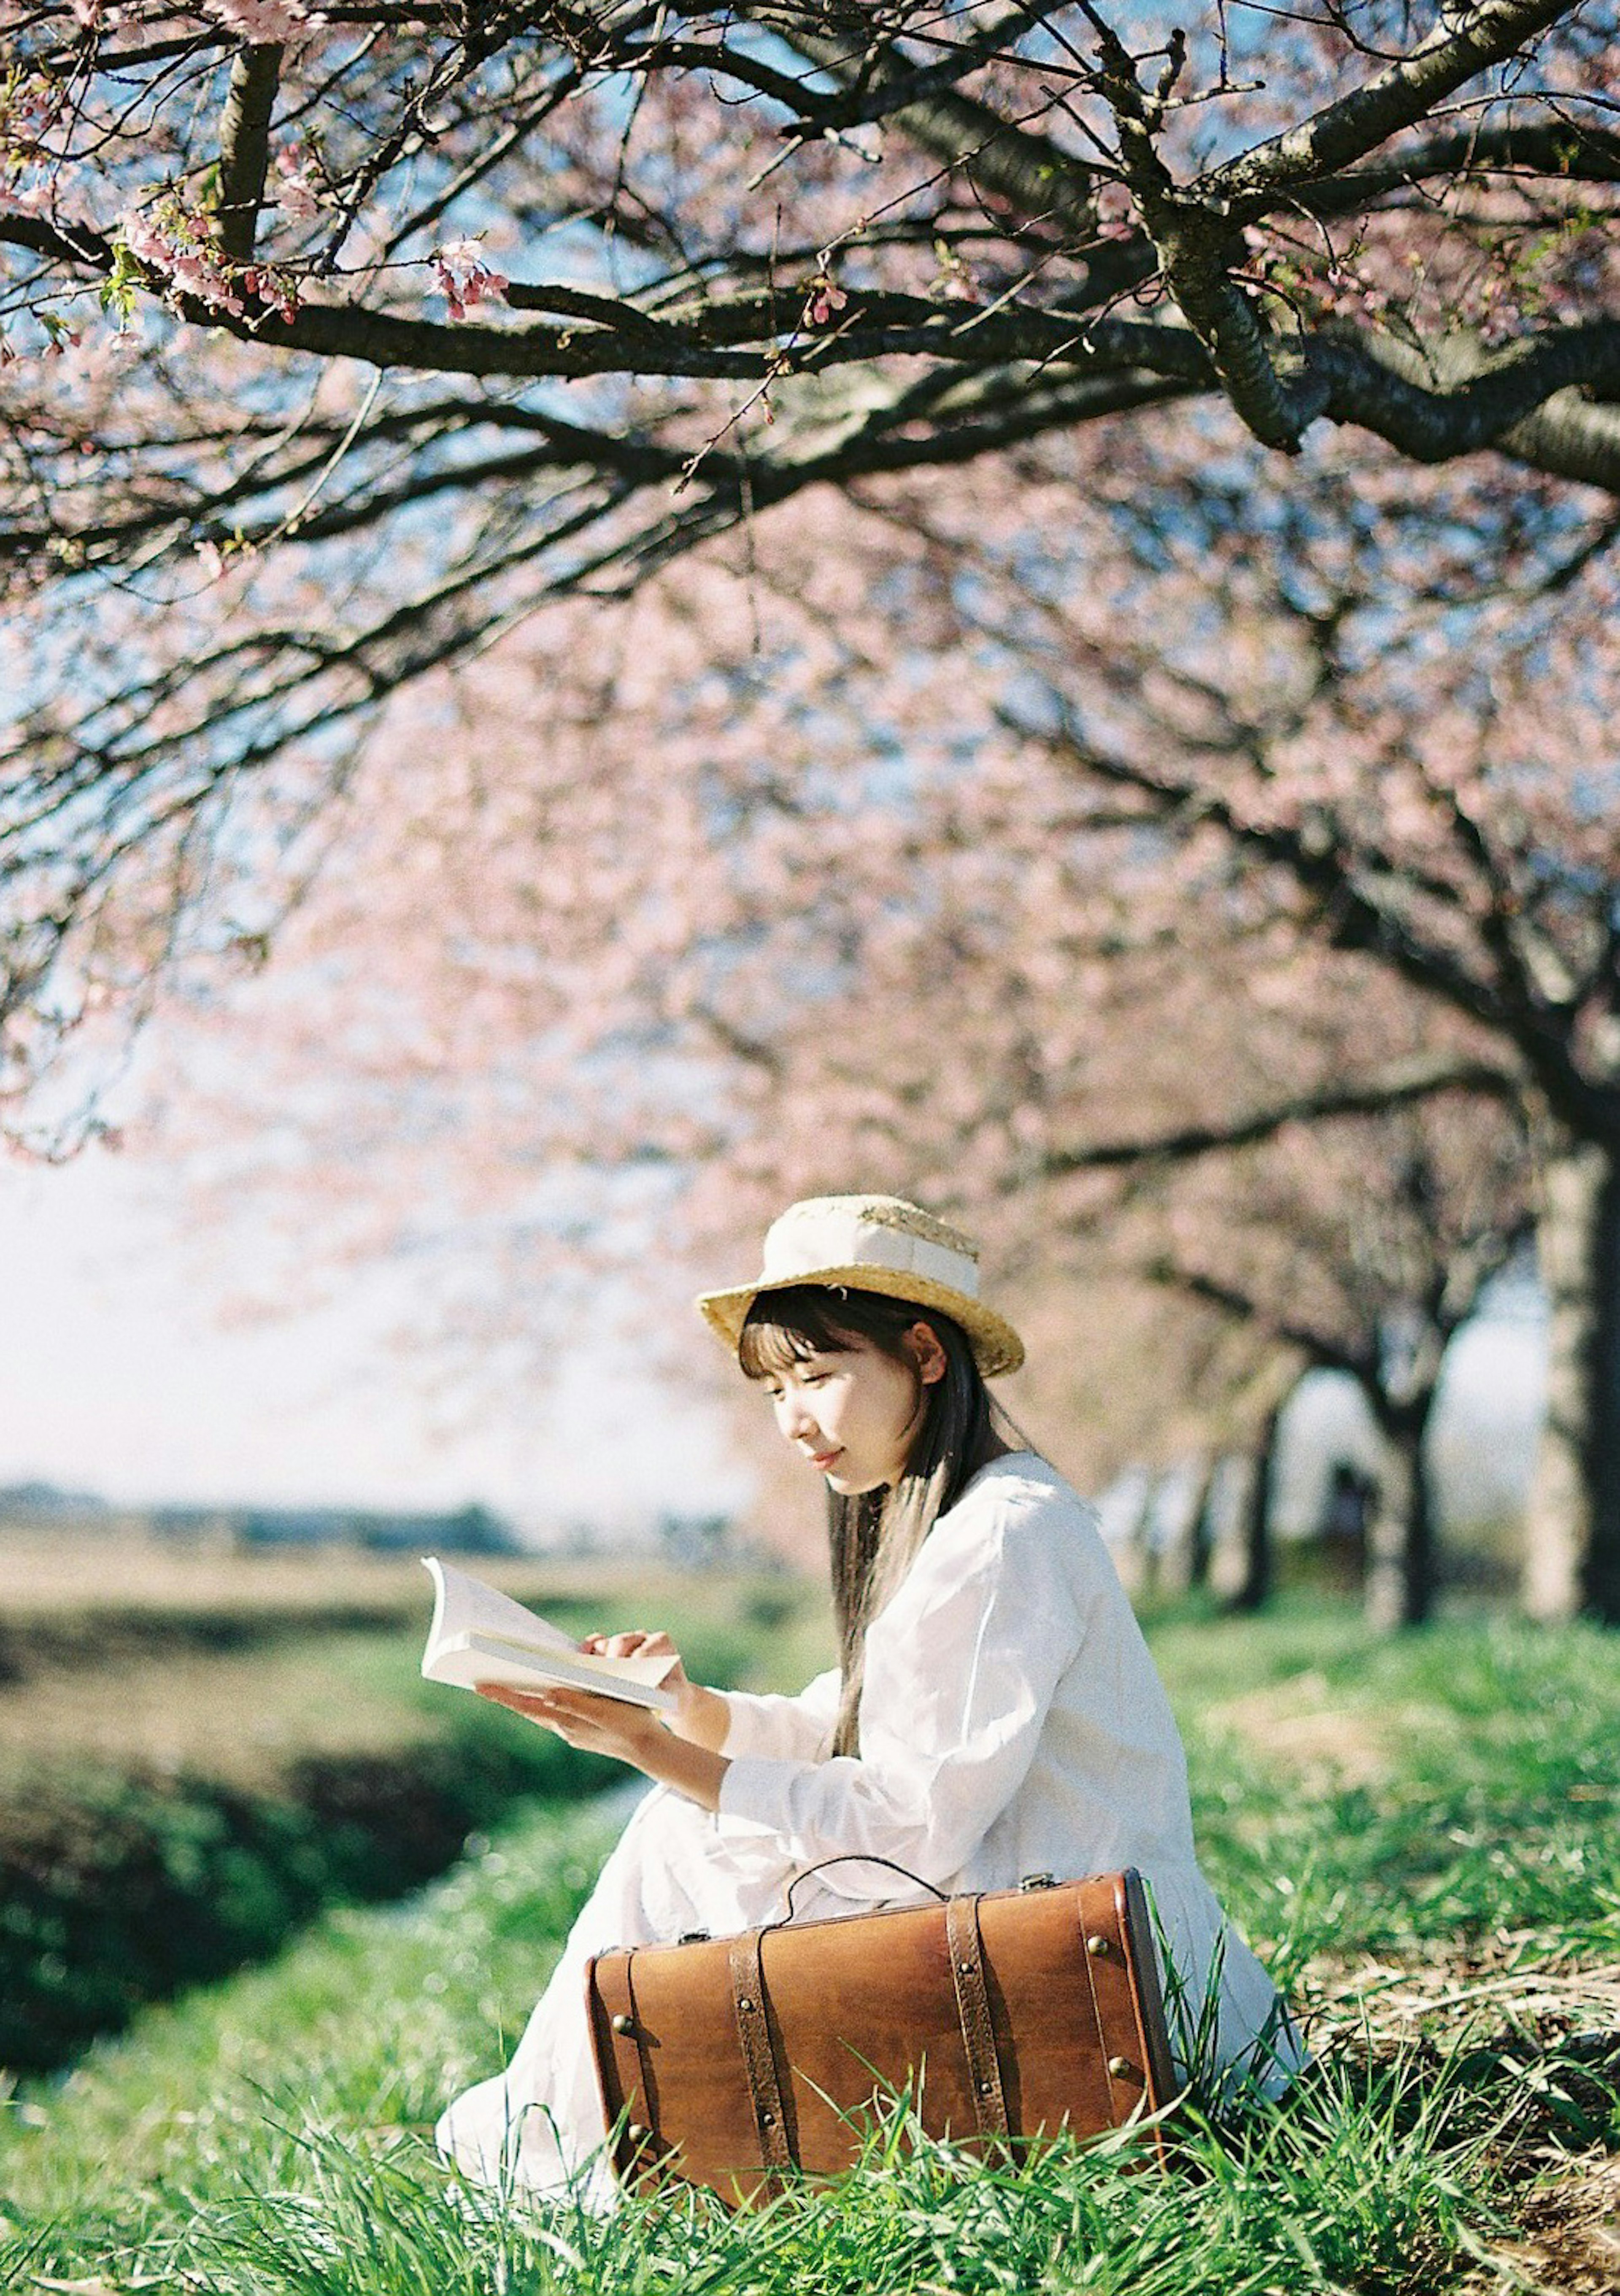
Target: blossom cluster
(464,278)
(177,245)
(298,188)
(24,199)
(29,104)
(269,23)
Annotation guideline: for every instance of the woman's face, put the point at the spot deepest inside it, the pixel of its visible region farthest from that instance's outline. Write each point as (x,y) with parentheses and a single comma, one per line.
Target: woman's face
(852,1411)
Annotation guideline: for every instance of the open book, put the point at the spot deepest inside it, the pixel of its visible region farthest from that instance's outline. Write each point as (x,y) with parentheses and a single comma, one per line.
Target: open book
(479,1635)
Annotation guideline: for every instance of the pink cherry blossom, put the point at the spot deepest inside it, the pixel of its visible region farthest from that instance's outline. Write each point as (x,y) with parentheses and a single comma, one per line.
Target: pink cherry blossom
(824,298)
(25,199)
(465,278)
(298,190)
(267,22)
(175,244)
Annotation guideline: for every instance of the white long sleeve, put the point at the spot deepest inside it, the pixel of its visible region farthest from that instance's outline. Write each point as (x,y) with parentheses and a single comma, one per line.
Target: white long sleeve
(961,1672)
(796,1729)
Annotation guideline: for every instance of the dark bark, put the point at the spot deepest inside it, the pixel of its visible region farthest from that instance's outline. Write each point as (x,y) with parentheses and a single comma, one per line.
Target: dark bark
(1401,1534)
(1600,1582)
(1572,1553)
(1400,1086)
(244,147)
(1520,399)
(1259,1563)
(1405,92)
(1203,1525)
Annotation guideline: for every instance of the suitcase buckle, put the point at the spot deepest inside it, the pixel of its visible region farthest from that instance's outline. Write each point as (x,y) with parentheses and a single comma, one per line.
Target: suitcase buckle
(694,1937)
(1027,1881)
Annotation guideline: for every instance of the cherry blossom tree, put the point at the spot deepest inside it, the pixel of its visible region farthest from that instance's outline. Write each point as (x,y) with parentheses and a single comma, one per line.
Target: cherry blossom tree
(1365,1245)
(338,340)
(1156,655)
(1238,1118)
(1443,807)
(649,924)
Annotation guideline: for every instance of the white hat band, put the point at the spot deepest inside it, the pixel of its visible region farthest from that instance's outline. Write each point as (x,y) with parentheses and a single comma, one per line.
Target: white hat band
(873,1243)
(804,1243)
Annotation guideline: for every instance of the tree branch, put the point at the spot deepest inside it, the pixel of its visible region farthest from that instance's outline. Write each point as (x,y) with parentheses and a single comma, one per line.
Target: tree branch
(1481,399)
(1037,177)
(1357,915)
(1409,1081)
(1346,131)
(1320,1347)
(1563,151)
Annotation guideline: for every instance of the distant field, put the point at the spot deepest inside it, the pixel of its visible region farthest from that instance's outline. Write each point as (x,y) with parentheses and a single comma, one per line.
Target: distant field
(43,1573)
(198,1752)
(131,1654)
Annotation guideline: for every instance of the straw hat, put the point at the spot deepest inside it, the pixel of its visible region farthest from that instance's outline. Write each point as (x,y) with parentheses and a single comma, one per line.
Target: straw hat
(874,1243)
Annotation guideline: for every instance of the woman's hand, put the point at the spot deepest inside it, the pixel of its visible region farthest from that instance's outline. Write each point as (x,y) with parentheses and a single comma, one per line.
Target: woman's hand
(583,1718)
(700,1715)
(627,1734)
(639,1643)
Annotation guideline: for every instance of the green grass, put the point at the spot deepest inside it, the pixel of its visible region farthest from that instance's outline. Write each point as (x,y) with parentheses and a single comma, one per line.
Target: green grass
(1398,1824)
(1457,1791)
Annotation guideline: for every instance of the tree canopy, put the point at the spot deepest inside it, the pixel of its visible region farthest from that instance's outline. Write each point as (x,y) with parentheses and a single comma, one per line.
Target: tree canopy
(1025,865)
(1202,436)
(336,340)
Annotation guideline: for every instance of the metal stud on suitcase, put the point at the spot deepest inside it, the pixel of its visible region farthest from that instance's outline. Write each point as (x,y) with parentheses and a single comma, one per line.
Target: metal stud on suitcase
(729,2062)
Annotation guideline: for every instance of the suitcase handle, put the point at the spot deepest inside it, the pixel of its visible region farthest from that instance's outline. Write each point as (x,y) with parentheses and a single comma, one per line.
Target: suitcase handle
(852,1857)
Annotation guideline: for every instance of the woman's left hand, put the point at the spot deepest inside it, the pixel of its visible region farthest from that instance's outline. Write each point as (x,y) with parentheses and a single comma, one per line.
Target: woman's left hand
(629,1734)
(581,1718)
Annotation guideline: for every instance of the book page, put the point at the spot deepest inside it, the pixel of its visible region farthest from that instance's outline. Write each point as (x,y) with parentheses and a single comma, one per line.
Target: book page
(466,1609)
(467,1659)
(466,1605)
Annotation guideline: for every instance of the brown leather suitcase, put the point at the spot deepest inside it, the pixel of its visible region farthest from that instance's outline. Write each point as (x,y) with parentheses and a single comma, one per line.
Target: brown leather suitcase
(731,2061)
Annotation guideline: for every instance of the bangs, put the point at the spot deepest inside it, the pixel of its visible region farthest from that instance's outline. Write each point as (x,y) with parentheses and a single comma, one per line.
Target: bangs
(787,1327)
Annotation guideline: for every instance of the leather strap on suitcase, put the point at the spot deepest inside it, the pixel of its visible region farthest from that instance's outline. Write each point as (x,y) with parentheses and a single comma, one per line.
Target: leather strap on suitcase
(972,2009)
(759,2057)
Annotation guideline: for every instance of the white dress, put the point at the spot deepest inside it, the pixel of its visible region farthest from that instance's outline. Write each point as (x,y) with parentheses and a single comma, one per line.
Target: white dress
(1012,1722)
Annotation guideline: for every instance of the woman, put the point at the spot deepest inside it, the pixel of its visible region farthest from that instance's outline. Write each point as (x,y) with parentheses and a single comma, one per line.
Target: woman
(995,1712)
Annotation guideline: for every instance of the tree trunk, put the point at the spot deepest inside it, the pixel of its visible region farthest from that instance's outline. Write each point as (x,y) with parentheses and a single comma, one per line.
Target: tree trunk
(1572,1543)
(1227,1529)
(1255,1587)
(1400,1584)
(1204,1527)
(1178,1509)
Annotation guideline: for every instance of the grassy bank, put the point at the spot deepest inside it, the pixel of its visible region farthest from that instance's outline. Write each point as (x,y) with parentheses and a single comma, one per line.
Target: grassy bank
(191,1770)
(1423,1834)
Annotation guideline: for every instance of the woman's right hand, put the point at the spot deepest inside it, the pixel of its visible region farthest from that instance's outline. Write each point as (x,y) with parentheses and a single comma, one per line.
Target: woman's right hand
(700,1715)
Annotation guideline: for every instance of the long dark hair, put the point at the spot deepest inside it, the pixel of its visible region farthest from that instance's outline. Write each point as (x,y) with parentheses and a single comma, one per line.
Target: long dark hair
(874,1535)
